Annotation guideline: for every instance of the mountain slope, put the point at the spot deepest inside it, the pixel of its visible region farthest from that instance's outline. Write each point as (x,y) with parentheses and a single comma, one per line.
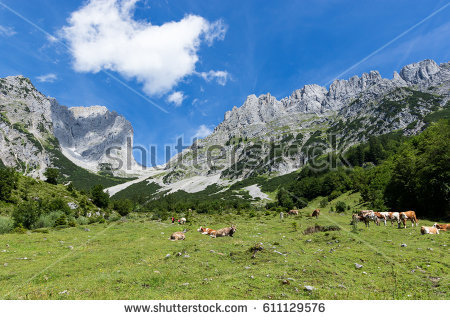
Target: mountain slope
(271,137)
(37,133)
(266,135)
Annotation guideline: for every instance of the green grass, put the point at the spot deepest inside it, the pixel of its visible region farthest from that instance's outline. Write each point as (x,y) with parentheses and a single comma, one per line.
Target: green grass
(127,260)
(29,188)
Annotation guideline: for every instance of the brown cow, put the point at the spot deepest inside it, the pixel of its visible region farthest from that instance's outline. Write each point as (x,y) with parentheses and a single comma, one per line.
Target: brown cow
(177,236)
(224,232)
(409,215)
(369,215)
(293,212)
(206,230)
(316,213)
(383,216)
(356,218)
(429,230)
(442,227)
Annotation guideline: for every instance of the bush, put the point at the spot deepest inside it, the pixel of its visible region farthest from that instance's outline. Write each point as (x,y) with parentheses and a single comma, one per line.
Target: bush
(6,225)
(323,202)
(26,214)
(123,206)
(341,206)
(58,204)
(82,221)
(52,175)
(48,220)
(114,217)
(61,221)
(99,198)
(8,182)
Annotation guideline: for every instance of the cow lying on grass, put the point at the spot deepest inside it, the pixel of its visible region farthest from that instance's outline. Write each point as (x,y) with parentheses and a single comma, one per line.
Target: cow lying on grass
(218,233)
(206,230)
(429,230)
(224,232)
(178,236)
(442,227)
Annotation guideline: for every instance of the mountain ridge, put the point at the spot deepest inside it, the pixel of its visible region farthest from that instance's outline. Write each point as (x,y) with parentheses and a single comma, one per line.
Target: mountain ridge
(263,136)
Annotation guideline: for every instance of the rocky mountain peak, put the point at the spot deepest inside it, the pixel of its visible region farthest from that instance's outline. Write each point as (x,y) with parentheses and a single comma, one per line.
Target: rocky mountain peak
(30,122)
(317,99)
(420,72)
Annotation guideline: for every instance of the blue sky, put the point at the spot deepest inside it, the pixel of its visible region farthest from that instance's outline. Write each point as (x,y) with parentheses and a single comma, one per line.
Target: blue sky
(198,59)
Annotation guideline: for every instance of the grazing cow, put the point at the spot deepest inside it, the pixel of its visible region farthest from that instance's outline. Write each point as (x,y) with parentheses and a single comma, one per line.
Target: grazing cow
(224,232)
(429,230)
(316,213)
(393,216)
(182,221)
(382,216)
(356,218)
(368,216)
(442,227)
(293,212)
(177,236)
(409,215)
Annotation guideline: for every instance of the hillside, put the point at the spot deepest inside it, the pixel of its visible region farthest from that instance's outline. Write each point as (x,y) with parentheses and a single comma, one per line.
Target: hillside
(134,259)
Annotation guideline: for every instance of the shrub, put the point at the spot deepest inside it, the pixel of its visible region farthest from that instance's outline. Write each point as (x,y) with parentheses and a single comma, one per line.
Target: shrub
(99,197)
(70,187)
(114,217)
(123,206)
(323,202)
(26,214)
(57,204)
(48,220)
(61,221)
(20,229)
(52,175)
(6,225)
(341,206)
(8,182)
(163,215)
(82,221)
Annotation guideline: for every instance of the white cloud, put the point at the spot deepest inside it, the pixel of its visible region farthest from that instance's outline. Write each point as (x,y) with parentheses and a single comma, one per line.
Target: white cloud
(176,98)
(103,35)
(220,76)
(50,77)
(202,131)
(7,31)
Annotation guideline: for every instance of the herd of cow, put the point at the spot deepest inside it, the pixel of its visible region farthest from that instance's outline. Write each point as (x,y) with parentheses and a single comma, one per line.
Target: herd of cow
(229,231)
(367,216)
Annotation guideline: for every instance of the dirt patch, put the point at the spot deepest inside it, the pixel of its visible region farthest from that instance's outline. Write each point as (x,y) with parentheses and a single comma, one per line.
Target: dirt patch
(318,228)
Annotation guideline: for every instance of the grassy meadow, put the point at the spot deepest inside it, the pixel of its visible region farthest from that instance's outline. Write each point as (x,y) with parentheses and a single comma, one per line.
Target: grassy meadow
(129,260)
